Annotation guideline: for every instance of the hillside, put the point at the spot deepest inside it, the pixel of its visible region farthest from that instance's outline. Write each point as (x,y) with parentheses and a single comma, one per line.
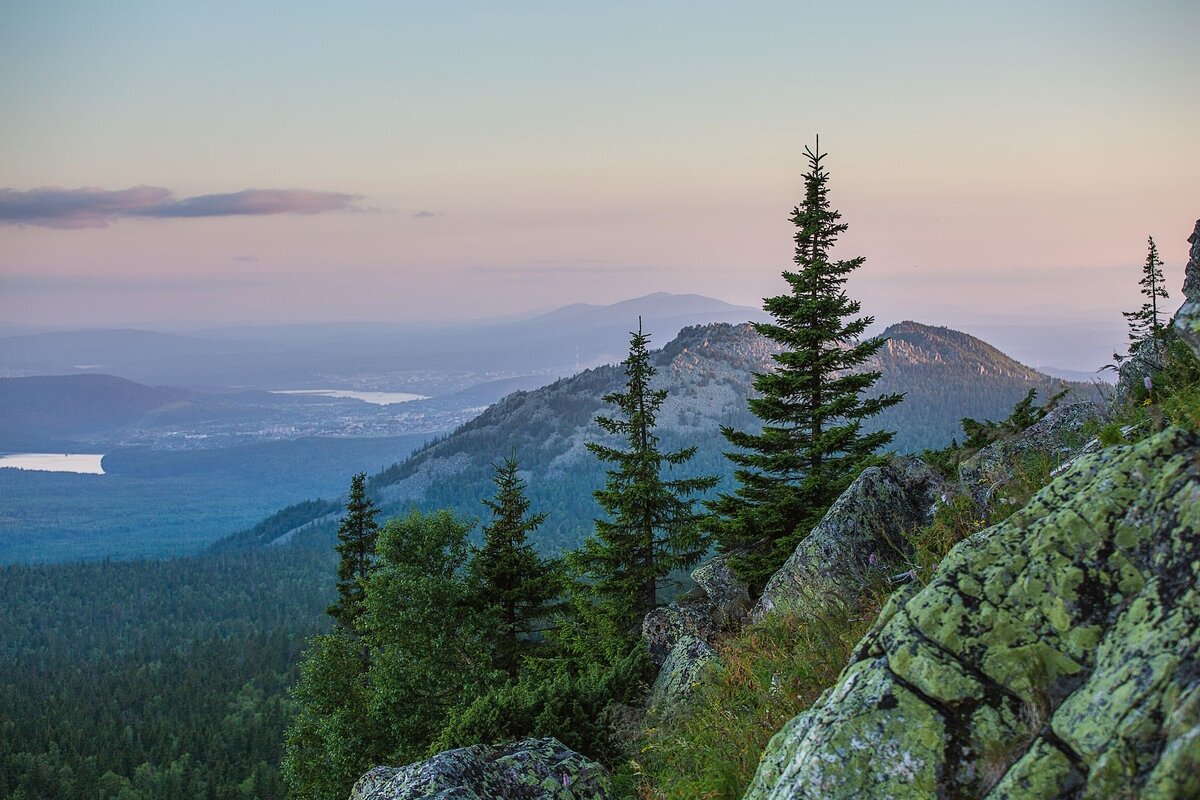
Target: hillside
(36,409)
(708,372)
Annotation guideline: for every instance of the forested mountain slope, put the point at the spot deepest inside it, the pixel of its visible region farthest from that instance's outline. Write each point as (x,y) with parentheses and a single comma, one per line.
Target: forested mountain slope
(708,373)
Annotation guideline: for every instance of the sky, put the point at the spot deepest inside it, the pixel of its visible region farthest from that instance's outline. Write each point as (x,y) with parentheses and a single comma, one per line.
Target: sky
(998,163)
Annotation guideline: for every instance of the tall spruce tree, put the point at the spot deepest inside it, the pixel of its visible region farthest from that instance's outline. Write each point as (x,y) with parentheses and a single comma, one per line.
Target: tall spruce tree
(507,576)
(356,546)
(653,526)
(1144,323)
(812,405)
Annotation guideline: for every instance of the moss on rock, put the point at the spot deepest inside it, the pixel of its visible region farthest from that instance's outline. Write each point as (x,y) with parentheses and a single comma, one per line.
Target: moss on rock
(1052,655)
(532,769)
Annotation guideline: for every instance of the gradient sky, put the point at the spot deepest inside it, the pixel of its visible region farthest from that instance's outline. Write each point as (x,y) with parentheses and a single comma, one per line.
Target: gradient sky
(995,160)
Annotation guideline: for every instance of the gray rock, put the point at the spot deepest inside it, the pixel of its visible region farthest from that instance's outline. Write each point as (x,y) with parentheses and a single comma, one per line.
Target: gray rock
(679,674)
(1191,273)
(864,530)
(1144,363)
(665,626)
(532,769)
(728,596)
(1059,435)
(1187,324)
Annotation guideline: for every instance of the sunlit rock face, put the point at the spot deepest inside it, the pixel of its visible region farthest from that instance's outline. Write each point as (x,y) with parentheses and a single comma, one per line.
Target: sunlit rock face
(532,769)
(1052,655)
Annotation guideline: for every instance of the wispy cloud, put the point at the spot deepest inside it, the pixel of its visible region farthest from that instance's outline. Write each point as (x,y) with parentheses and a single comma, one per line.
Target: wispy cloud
(427,214)
(249,259)
(90,207)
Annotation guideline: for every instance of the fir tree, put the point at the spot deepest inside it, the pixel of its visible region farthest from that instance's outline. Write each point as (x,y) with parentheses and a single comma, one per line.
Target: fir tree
(653,527)
(356,546)
(506,575)
(1144,323)
(812,406)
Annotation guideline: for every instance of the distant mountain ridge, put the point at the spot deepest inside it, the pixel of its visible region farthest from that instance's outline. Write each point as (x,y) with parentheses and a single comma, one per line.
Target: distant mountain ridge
(291,356)
(708,373)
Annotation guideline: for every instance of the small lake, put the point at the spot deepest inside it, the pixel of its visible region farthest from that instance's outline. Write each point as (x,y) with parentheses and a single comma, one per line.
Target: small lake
(82,463)
(375,398)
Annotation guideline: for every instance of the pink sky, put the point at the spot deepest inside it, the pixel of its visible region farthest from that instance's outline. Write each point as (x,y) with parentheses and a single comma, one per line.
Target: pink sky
(1003,161)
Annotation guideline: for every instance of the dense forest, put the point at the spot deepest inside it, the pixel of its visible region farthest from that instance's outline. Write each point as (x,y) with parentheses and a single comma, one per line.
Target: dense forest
(153,680)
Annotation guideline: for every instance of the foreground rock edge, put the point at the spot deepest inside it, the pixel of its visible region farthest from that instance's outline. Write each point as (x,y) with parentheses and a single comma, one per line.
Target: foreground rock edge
(1054,654)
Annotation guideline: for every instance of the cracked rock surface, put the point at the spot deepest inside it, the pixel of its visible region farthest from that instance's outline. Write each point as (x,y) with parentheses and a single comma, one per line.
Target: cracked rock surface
(532,769)
(1054,655)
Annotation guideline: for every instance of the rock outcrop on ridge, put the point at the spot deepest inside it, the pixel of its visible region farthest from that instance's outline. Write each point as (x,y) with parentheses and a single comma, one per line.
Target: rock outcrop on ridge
(1191,273)
(1056,654)
(864,529)
(532,769)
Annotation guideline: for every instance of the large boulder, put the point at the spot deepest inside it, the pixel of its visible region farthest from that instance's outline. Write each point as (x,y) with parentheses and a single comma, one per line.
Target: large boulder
(1138,371)
(1054,655)
(1059,435)
(865,529)
(532,769)
(680,673)
(727,595)
(723,605)
(663,627)
(1187,324)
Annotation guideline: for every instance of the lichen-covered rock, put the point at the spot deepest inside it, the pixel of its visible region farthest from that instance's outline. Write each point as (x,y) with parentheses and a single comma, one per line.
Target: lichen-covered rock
(1187,324)
(1191,273)
(532,769)
(1058,435)
(679,674)
(1055,655)
(863,530)
(728,596)
(663,627)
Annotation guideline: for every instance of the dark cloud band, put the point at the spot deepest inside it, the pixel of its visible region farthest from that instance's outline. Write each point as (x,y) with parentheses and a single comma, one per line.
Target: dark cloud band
(96,208)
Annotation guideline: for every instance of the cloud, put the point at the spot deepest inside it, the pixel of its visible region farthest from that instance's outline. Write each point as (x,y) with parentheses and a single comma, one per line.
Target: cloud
(426,214)
(90,207)
(248,258)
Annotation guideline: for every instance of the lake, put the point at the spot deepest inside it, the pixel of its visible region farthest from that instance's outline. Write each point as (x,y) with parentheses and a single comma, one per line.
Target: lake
(376,398)
(83,463)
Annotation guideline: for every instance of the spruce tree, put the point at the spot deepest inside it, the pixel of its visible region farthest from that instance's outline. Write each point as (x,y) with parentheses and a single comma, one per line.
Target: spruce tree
(356,547)
(653,527)
(1144,323)
(507,576)
(812,405)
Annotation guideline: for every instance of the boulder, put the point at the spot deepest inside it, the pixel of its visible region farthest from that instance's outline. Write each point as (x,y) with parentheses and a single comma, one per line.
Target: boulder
(728,596)
(1144,363)
(1187,325)
(679,674)
(1060,434)
(1056,654)
(532,769)
(663,627)
(863,530)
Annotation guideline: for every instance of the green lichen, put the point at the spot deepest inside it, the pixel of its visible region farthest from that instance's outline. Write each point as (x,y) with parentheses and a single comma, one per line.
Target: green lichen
(1054,653)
